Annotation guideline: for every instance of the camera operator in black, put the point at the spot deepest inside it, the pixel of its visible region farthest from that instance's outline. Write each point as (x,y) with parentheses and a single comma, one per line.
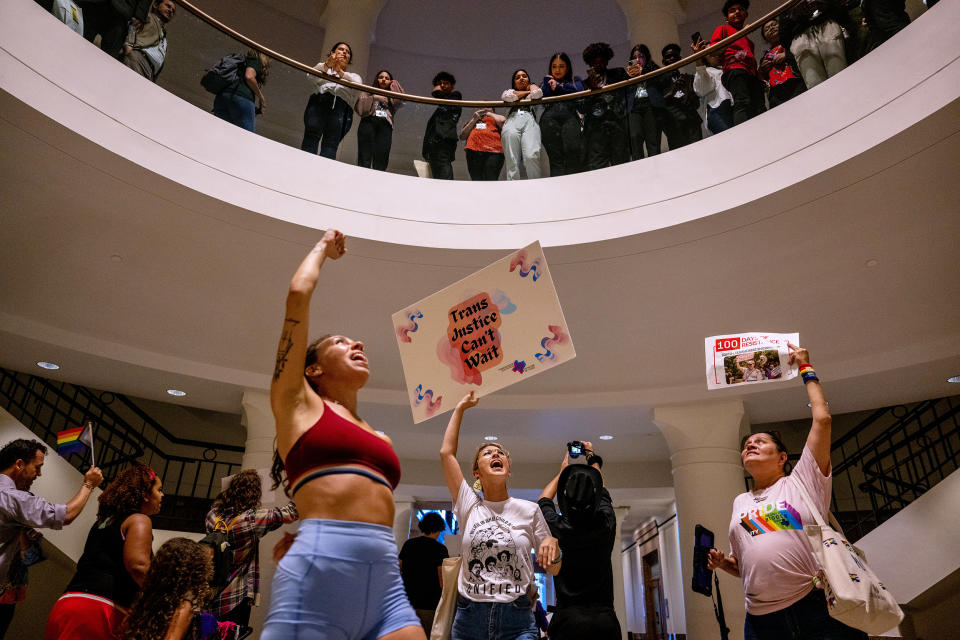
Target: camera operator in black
(587,529)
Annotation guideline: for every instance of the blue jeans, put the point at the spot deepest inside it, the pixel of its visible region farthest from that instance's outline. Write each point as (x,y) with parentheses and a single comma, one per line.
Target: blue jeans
(235,108)
(339,581)
(805,619)
(494,620)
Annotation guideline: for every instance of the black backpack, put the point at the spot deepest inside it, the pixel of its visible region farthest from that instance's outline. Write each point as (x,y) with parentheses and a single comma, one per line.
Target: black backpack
(224,74)
(223,553)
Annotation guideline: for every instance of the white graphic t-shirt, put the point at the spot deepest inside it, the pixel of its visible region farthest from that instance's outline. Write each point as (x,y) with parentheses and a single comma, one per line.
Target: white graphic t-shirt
(497,540)
(766,536)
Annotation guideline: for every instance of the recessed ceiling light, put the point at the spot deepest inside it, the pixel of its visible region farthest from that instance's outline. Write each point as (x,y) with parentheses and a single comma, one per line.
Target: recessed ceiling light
(606,437)
(176,392)
(52,366)
(953,379)
(116,258)
(491,438)
(872,262)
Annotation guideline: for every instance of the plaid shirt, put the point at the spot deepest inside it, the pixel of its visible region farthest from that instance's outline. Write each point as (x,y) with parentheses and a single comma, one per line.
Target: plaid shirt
(244,534)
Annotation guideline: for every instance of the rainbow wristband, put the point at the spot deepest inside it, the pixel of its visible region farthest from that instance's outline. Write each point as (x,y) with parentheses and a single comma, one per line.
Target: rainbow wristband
(808,374)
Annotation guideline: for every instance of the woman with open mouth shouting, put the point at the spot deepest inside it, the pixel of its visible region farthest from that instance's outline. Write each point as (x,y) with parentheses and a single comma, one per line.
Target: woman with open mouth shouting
(340,577)
(499,532)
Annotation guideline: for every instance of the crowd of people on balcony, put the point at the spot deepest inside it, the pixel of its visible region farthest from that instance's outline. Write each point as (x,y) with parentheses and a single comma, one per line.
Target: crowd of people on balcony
(807,44)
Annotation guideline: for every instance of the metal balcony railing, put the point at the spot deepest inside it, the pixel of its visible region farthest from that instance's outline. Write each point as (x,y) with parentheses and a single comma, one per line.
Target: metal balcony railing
(124,433)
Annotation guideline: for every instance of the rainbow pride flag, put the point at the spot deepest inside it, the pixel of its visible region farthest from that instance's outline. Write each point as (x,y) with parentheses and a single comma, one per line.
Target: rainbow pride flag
(75,440)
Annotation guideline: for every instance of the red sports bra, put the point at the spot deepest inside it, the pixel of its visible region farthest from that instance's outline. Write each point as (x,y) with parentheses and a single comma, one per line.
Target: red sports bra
(336,445)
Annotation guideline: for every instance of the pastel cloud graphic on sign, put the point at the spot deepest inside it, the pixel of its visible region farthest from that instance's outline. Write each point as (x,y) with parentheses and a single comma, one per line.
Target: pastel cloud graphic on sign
(431,406)
(410,327)
(500,298)
(550,342)
(526,266)
(448,355)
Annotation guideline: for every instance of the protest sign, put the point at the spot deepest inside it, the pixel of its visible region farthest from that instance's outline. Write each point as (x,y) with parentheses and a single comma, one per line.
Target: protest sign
(488,331)
(748,358)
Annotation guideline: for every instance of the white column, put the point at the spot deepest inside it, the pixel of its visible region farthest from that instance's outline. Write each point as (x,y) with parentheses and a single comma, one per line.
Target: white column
(653,23)
(707,476)
(619,592)
(351,21)
(403,515)
(261,430)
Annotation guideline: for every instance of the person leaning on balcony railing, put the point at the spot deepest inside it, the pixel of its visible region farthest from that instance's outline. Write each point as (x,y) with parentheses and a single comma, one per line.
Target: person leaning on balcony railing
(375,132)
(646,113)
(811,31)
(605,139)
(145,48)
(682,122)
(778,68)
(237,511)
(115,560)
(739,63)
(341,572)
(521,133)
(329,113)
(441,135)
(778,570)
(109,20)
(484,148)
(560,122)
(21,512)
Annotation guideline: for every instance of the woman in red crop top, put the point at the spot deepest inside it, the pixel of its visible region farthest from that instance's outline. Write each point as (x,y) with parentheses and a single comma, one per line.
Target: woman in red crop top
(342,570)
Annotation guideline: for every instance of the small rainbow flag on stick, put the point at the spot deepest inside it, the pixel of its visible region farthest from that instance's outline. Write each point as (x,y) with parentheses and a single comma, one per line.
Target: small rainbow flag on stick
(74,440)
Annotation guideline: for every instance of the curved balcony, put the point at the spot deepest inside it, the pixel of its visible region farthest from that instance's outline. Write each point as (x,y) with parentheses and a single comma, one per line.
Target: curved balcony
(830,125)
(831,214)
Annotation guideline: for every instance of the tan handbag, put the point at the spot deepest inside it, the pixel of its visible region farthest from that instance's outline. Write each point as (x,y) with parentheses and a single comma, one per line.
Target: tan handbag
(447,607)
(854,594)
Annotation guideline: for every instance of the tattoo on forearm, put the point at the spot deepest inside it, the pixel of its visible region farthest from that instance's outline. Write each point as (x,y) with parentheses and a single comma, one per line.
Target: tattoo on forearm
(283,349)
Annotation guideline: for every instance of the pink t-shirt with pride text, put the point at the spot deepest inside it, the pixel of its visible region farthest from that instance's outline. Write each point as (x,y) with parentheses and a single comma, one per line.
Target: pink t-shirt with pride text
(766,536)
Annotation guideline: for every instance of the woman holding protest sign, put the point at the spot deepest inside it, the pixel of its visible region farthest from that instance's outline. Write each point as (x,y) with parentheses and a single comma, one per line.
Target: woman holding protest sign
(499,533)
(778,570)
(341,571)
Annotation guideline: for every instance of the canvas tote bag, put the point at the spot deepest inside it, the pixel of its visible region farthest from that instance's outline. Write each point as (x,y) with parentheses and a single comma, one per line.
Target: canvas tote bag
(447,607)
(855,596)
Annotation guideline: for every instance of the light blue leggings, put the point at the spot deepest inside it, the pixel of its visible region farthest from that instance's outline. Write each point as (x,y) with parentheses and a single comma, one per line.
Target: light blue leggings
(339,581)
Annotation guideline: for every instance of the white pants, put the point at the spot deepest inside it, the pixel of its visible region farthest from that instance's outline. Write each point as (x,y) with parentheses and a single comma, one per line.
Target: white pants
(819,52)
(520,137)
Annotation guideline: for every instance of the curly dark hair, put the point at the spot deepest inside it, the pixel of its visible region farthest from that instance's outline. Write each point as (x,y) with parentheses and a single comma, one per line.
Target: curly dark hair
(444,75)
(180,571)
(431,523)
(597,49)
(20,449)
(125,495)
(243,493)
(729,3)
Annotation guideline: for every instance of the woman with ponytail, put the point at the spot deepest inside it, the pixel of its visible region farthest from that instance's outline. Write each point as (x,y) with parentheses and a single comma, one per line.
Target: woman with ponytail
(341,571)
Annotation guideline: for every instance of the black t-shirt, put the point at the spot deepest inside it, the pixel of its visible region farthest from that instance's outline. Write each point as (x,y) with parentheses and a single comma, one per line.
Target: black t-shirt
(586,575)
(420,557)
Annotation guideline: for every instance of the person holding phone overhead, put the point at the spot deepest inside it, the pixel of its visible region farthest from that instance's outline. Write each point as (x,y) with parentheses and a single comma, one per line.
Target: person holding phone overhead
(775,563)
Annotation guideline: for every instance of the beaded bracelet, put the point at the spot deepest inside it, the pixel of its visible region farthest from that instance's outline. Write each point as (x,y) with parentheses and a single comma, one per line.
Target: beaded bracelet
(808,374)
